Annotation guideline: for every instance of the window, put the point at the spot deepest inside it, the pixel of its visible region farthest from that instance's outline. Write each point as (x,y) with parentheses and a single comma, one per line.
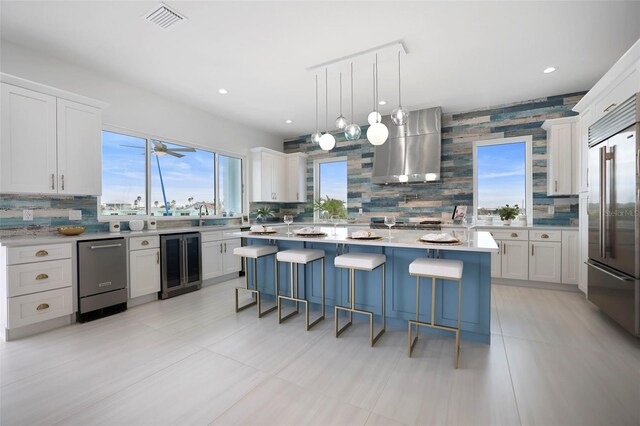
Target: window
(330,184)
(146,176)
(124,172)
(502,175)
(182,178)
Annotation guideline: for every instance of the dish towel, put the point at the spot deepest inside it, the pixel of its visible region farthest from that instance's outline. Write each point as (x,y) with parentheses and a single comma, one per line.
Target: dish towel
(363,234)
(443,237)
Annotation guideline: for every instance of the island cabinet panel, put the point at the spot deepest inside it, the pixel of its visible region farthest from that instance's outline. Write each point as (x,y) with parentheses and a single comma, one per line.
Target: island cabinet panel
(400,286)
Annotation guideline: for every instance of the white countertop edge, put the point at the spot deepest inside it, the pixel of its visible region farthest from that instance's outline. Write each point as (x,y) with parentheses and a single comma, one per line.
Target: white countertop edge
(481,241)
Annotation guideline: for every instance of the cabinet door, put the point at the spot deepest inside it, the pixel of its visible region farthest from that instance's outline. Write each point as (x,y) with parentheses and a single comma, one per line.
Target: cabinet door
(278,179)
(544,261)
(79,149)
(586,120)
(584,242)
(515,260)
(559,159)
(231,262)
(496,262)
(28,142)
(296,179)
(570,257)
(144,272)
(212,254)
(267,176)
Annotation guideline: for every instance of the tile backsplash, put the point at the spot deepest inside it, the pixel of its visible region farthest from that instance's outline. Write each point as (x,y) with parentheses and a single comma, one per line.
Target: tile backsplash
(459,130)
(51,212)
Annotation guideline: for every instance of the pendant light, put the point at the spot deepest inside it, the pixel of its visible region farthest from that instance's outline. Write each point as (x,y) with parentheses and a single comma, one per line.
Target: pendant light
(374,116)
(327,141)
(377,133)
(352,132)
(315,136)
(399,116)
(341,122)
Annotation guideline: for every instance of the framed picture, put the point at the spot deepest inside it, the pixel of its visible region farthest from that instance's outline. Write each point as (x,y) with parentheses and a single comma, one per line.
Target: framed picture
(459,213)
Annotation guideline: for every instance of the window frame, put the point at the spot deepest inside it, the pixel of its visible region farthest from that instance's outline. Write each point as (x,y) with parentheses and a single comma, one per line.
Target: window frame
(149,137)
(316,179)
(528,141)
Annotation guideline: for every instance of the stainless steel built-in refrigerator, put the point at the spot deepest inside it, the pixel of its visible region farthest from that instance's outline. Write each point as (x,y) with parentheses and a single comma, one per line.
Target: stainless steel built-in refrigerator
(614,222)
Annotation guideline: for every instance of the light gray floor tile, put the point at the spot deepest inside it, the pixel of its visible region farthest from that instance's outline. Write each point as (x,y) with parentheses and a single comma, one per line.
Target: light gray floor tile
(279,402)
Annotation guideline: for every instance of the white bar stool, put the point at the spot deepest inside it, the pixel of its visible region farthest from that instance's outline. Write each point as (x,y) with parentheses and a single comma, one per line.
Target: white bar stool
(255,252)
(363,262)
(297,257)
(435,268)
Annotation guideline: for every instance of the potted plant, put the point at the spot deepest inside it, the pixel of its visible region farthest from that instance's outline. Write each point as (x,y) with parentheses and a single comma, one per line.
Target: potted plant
(263,213)
(508,213)
(331,206)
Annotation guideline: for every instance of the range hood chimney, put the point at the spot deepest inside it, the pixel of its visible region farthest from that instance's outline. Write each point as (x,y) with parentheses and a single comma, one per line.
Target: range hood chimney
(412,153)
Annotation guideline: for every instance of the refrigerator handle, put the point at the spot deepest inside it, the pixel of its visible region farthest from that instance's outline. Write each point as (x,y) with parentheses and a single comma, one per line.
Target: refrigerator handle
(185,261)
(611,273)
(603,198)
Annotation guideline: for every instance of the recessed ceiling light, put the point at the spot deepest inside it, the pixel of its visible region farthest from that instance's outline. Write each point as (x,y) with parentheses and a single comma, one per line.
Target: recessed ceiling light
(222,91)
(549,70)
(382,103)
(288,121)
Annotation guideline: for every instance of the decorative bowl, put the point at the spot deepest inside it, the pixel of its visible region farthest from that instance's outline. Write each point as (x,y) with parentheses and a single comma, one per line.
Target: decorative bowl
(71,230)
(136,225)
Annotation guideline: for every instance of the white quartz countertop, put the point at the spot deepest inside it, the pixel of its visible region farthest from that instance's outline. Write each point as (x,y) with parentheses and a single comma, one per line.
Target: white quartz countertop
(22,240)
(480,241)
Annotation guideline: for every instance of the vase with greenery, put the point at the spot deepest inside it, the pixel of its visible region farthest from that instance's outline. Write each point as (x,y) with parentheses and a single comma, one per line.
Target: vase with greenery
(508,213)
(263,214)
(331,206)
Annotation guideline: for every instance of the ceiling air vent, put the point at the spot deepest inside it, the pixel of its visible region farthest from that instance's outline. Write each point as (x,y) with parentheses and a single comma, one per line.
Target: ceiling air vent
(163,16)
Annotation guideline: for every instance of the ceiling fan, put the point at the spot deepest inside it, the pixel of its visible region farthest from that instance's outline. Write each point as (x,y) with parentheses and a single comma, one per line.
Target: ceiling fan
(161,149)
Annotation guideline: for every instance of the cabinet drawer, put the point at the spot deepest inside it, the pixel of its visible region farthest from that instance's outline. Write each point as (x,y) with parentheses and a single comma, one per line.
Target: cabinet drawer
(28,254)
(545,235)
(210,236)
(39,276)
(516,234)
(32,308)
(141,243)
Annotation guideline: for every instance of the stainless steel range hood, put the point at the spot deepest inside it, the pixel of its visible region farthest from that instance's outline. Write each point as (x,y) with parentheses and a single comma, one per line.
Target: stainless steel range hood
(412,152)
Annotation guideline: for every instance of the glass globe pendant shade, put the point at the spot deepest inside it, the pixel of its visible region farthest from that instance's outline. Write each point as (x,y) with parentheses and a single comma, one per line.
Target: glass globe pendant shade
(352,132)
(315,137)
(374,117)
(327,142)
(341,122)
(399,116)
(377,134)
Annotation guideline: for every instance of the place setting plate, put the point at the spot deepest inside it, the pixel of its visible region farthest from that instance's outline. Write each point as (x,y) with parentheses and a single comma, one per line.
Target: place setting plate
(373,237)
(311,233)
(450,242)
(262,232)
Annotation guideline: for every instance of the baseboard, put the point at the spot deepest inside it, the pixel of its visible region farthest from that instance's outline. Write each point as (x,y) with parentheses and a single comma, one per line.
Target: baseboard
(140,300)
(573,288)
(39,327)
(220,279)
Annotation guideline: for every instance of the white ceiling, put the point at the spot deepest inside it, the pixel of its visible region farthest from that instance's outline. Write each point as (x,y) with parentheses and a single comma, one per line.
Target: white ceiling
(462,55)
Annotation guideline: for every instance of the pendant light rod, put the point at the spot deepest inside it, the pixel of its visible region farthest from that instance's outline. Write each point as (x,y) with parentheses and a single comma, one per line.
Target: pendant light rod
(326,100)
(340,93)
(373,78)
(316,102)
(399,82)
(352,119)
(376,100)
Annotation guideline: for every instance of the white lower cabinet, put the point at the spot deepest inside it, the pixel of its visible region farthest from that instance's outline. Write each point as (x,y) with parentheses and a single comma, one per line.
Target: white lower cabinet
(496,262)
(37,307)
(545,261)
(515,264)
(231,263)
(570,257)
(217,255)
(144,266)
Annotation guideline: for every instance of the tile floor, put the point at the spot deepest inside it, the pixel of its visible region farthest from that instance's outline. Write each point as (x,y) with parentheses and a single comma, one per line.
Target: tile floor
(554,360)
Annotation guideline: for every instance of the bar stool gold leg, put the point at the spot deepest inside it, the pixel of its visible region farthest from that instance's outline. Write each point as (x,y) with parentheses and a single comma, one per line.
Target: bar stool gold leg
(246,288)
(293,297)
(458,330)
(339,331)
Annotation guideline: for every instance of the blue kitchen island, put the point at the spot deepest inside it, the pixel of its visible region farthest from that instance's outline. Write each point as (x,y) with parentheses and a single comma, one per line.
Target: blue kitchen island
(400,250)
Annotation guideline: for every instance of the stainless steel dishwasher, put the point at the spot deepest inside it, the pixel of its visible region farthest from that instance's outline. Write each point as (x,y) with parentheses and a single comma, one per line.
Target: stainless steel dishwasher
(102,278)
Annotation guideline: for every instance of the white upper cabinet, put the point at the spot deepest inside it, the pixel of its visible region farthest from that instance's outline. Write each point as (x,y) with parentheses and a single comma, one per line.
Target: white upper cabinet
(277,177)
(562,156)
(622,89)
(79,149)
(28,145)
(297,178)
(50,144)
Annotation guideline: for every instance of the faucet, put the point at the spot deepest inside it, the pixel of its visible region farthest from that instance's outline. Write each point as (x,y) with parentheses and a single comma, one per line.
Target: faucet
(200,219)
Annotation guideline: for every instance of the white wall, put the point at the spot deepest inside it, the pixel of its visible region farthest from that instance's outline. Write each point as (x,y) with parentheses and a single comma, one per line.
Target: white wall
(134,108)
